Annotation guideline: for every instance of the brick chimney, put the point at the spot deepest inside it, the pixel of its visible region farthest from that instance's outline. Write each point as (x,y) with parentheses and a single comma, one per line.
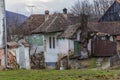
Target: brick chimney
(46,14)
(65,13)
(65,10)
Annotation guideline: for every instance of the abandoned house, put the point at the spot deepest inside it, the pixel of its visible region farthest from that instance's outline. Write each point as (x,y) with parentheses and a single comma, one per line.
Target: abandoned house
(58,31)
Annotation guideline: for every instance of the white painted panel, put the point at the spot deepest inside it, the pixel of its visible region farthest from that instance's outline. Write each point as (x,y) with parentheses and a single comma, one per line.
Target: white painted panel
(22,56)
(27,58)
(17,55)
(89,46)
(72,45)
(78,35)
(63,46)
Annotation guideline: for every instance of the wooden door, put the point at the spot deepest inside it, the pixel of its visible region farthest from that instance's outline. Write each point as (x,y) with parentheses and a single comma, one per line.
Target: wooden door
(77,47)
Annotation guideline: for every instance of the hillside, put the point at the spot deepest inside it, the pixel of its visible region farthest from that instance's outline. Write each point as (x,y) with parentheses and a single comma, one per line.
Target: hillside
(14,18)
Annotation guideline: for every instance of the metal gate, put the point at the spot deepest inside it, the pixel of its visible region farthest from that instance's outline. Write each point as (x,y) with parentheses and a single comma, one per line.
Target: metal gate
(103,48)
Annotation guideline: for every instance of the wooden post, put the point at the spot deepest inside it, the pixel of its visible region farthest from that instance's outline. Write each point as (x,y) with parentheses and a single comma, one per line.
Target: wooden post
(44,51)
(68,60)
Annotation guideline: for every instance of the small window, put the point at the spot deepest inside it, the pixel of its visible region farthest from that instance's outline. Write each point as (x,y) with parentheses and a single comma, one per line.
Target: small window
(50,42)
(53,42)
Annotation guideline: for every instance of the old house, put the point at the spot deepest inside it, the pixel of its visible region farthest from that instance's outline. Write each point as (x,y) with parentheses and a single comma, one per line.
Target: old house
(57,33)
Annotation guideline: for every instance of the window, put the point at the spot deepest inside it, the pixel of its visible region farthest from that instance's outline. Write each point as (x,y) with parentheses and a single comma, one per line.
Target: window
(52,42)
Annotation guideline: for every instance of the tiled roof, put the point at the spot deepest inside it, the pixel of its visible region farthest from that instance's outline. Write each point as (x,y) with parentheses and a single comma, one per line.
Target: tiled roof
(30,24)
(71,31)
(23,42)
(12,45)
(112,28)
(55,23)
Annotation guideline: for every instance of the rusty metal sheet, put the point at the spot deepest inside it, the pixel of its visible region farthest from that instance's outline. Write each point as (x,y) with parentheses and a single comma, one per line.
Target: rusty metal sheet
(104,48)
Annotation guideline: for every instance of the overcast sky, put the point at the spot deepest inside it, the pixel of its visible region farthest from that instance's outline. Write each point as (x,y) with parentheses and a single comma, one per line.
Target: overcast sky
(23,6)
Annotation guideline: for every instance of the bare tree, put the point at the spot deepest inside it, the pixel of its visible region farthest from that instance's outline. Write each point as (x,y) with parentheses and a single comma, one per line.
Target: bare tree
(81,7)
(94,10)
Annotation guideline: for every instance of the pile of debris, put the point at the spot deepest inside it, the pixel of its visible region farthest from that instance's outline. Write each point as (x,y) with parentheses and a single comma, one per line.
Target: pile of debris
(37,61)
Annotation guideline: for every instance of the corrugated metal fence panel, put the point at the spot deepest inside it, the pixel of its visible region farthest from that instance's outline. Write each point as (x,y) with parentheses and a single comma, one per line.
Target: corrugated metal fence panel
(104,48)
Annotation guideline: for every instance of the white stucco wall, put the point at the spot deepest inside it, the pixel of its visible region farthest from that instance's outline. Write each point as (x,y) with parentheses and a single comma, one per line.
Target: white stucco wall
(2,16)
(17,55)
(89,45)
(62,47)
(51,54)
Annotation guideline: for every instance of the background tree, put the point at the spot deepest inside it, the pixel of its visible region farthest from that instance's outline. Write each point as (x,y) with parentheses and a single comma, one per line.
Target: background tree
(94,9)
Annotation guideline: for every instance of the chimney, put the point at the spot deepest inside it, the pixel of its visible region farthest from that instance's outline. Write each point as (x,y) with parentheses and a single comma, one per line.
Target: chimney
(46,15)
(46,12)
(65,10)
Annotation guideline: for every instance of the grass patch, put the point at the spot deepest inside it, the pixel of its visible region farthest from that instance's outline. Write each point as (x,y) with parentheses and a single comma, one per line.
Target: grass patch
(60,75)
